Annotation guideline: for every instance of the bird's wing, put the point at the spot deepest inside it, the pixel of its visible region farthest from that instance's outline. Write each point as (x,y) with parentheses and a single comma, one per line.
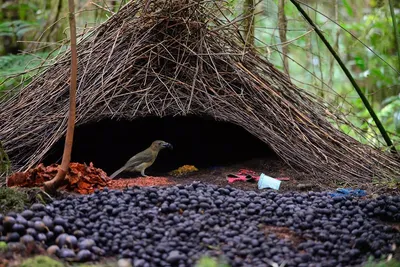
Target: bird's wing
(144,156)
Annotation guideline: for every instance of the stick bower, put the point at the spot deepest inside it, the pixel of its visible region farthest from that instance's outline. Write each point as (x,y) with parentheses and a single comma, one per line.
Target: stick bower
(180,58)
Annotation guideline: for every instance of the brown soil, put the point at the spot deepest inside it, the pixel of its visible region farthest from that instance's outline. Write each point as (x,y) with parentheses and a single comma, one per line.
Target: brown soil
(217,176)
(284,233)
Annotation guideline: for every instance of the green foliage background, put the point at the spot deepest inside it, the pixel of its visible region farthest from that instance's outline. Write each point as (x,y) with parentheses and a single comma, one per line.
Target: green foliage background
(369,52)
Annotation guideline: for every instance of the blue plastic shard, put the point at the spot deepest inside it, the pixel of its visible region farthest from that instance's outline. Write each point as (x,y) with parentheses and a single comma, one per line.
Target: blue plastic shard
(348,192)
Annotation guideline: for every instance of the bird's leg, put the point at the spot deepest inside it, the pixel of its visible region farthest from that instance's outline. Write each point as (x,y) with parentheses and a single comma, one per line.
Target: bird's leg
(143,174)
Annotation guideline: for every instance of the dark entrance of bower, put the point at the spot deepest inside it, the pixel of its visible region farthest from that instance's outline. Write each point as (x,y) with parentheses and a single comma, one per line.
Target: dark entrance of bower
(198,141)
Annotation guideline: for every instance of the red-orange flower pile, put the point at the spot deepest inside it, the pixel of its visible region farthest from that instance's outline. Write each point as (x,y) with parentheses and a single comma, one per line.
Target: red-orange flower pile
(80,178)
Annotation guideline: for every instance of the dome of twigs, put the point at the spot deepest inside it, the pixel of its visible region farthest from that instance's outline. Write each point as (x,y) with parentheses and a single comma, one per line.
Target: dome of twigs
(178,58)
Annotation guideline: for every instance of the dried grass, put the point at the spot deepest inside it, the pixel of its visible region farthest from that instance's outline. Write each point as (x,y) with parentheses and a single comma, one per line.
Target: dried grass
(181,58)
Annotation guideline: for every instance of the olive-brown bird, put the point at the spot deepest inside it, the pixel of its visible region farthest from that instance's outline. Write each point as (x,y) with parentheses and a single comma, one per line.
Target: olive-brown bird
(142,160)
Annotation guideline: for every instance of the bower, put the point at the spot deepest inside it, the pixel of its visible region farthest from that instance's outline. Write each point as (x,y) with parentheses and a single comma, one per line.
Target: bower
(182,59)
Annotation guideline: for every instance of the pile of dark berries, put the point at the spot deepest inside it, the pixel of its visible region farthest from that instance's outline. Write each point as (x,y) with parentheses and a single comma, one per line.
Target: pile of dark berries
(177,225)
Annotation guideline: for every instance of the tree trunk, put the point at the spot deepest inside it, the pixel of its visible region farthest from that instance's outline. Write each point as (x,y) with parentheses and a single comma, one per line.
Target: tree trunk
(56,182)
(249,21)
(282,34)
(9,43)
(55,21)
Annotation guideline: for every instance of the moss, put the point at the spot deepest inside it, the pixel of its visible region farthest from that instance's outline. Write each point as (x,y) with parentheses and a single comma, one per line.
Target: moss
(383,263)
(15,199)
(41,261)
(3,246)
(210,262)
(36,195)
(12,199)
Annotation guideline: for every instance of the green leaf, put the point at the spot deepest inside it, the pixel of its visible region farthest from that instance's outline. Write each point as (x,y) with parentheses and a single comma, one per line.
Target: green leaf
(21,32)
(348,8)
(390,99)
(360,62)
(6,34)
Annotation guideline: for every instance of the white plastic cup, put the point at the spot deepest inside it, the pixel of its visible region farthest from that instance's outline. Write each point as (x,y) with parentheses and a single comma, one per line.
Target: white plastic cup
(268,182)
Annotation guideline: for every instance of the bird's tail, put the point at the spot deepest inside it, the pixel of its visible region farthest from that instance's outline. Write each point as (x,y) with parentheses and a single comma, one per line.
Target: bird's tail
(112,176)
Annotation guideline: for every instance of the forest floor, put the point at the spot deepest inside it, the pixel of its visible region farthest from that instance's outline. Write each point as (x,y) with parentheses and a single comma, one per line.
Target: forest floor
(294,180)
(84,179)
(217,176)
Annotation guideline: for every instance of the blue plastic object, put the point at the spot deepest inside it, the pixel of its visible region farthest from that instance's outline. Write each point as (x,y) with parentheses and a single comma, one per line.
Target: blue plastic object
(268,182)
(348,192)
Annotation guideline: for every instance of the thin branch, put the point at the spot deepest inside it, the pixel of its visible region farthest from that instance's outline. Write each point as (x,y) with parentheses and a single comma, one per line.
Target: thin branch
(395,30)
(52,185)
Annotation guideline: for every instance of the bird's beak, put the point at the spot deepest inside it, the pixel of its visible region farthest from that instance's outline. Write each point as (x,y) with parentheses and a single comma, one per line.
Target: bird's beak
(168,145)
